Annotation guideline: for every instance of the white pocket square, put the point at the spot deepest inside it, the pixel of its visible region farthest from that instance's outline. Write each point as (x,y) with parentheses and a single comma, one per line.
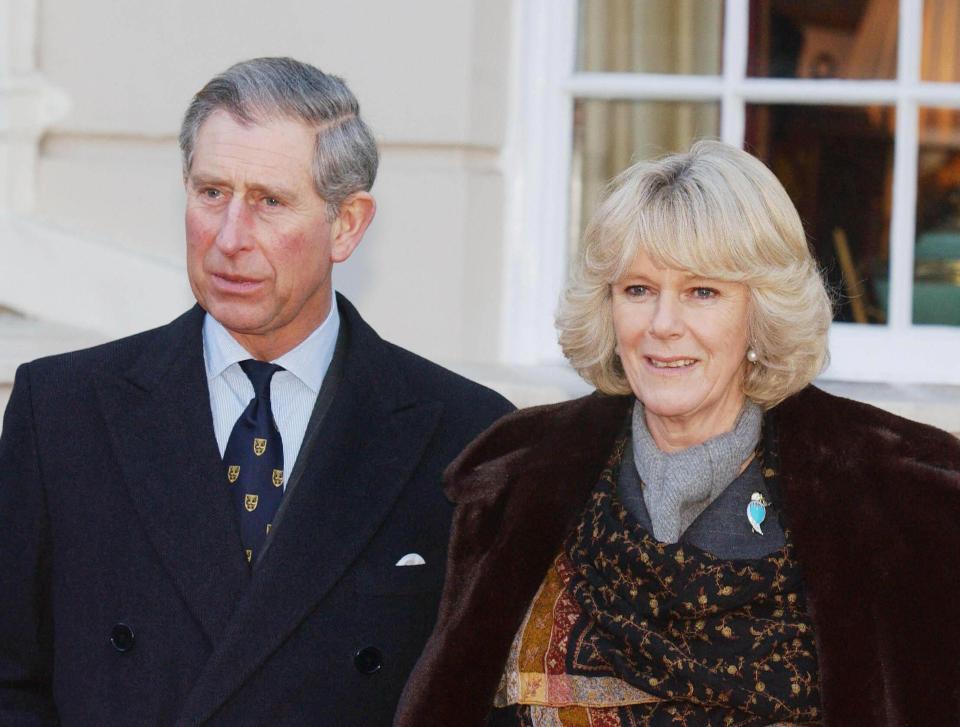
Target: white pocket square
(412,559)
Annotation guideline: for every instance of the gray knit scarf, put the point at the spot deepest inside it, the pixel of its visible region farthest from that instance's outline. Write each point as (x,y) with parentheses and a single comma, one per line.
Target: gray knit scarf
(677,487)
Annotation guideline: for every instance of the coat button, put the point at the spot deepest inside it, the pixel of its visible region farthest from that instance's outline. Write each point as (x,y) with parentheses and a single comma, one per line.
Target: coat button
(368,660)
(121,636)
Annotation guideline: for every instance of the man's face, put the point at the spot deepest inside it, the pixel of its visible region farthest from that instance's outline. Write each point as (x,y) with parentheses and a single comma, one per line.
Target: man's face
(259,247)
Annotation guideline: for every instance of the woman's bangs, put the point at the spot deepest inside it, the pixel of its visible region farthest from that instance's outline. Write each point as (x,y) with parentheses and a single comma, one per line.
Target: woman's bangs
(690,240)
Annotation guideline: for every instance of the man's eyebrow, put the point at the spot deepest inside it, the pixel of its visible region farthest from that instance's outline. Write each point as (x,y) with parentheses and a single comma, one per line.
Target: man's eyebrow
(273,190)
(204,180)
(270,190)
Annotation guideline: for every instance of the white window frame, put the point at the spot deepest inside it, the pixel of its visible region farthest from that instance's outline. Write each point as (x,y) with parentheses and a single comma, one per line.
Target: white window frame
(537,167)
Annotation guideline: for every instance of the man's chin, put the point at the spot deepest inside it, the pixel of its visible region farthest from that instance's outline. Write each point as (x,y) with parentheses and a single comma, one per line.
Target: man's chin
(240,320)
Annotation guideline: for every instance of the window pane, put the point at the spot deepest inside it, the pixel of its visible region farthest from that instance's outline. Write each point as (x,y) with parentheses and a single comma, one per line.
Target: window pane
(650,36)
(823,39)
(837,165)
(608,136)
(936,289)
(941,41)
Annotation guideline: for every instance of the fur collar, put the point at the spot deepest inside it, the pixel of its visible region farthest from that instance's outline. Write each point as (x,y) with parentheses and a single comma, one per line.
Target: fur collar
(873,503)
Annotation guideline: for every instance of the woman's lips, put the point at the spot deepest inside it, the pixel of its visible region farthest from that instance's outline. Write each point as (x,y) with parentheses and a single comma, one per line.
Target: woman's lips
(227,283)
(671,365)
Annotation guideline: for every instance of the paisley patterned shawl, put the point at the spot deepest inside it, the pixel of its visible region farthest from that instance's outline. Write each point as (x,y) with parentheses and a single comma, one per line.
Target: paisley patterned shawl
(626,630)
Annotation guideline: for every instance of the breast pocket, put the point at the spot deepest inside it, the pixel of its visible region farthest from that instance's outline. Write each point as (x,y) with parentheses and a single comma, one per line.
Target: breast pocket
(387,578)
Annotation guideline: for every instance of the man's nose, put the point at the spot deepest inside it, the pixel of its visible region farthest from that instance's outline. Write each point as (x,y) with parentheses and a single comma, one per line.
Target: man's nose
(667,319)
(236,228)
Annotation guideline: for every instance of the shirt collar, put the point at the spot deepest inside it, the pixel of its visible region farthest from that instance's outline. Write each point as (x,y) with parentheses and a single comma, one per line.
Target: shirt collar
(308,361)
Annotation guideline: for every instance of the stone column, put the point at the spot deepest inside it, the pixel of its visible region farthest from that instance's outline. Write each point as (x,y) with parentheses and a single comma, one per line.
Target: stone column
(28,105)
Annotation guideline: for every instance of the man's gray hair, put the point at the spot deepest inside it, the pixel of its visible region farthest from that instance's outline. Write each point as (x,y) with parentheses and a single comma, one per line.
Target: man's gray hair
(345,158)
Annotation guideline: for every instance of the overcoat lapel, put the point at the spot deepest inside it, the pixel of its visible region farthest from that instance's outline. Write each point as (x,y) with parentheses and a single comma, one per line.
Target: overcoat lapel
(368,445)
(159,420)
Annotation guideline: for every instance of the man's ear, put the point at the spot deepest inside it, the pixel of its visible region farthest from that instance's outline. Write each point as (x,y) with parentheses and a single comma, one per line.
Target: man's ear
(356,214)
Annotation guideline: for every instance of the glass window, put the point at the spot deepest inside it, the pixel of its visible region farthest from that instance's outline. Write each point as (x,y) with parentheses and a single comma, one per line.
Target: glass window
(650,36)
(850,39)
(629,79)
(836,163)
(608,136)
(940,59)
(936,288)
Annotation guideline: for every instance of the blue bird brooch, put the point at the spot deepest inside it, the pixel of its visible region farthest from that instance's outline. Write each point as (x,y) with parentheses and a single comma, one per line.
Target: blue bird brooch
(757,511)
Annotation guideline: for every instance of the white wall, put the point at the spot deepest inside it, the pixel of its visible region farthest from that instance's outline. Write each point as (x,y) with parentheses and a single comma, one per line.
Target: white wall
(431,77)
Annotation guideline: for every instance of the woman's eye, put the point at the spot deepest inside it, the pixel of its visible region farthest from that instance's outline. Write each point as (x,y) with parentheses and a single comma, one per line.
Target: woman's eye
(635,291)
(704,293)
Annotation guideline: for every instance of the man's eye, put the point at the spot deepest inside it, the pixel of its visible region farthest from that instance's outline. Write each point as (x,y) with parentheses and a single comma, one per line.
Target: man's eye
(211,193)
(271,201)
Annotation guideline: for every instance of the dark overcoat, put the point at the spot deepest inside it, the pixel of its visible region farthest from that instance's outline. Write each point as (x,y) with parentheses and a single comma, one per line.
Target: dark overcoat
(125,597)
(873,504)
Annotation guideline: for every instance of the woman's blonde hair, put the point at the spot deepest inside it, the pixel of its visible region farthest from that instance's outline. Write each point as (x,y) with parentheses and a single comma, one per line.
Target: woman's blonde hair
(719,213)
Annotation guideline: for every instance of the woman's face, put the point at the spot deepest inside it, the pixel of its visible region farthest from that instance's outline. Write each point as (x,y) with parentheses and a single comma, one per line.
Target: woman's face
(683,341)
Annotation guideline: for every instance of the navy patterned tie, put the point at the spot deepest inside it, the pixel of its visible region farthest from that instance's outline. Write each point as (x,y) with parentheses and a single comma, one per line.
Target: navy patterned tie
(254,460)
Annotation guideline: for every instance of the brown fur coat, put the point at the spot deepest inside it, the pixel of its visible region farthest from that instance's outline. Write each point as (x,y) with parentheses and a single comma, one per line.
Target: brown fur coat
(873,503)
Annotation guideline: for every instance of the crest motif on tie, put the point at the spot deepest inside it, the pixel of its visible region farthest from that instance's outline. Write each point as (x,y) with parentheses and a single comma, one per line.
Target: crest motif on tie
(268,528)
(233,472)
(277,478)
(259,446)
(250,502)
(249,553)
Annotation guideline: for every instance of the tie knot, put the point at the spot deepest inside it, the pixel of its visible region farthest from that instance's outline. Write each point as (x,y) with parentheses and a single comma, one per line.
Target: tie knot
(260,373)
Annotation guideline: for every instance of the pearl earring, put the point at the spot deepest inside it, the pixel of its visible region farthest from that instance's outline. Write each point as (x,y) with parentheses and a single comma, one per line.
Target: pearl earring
(752,356)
